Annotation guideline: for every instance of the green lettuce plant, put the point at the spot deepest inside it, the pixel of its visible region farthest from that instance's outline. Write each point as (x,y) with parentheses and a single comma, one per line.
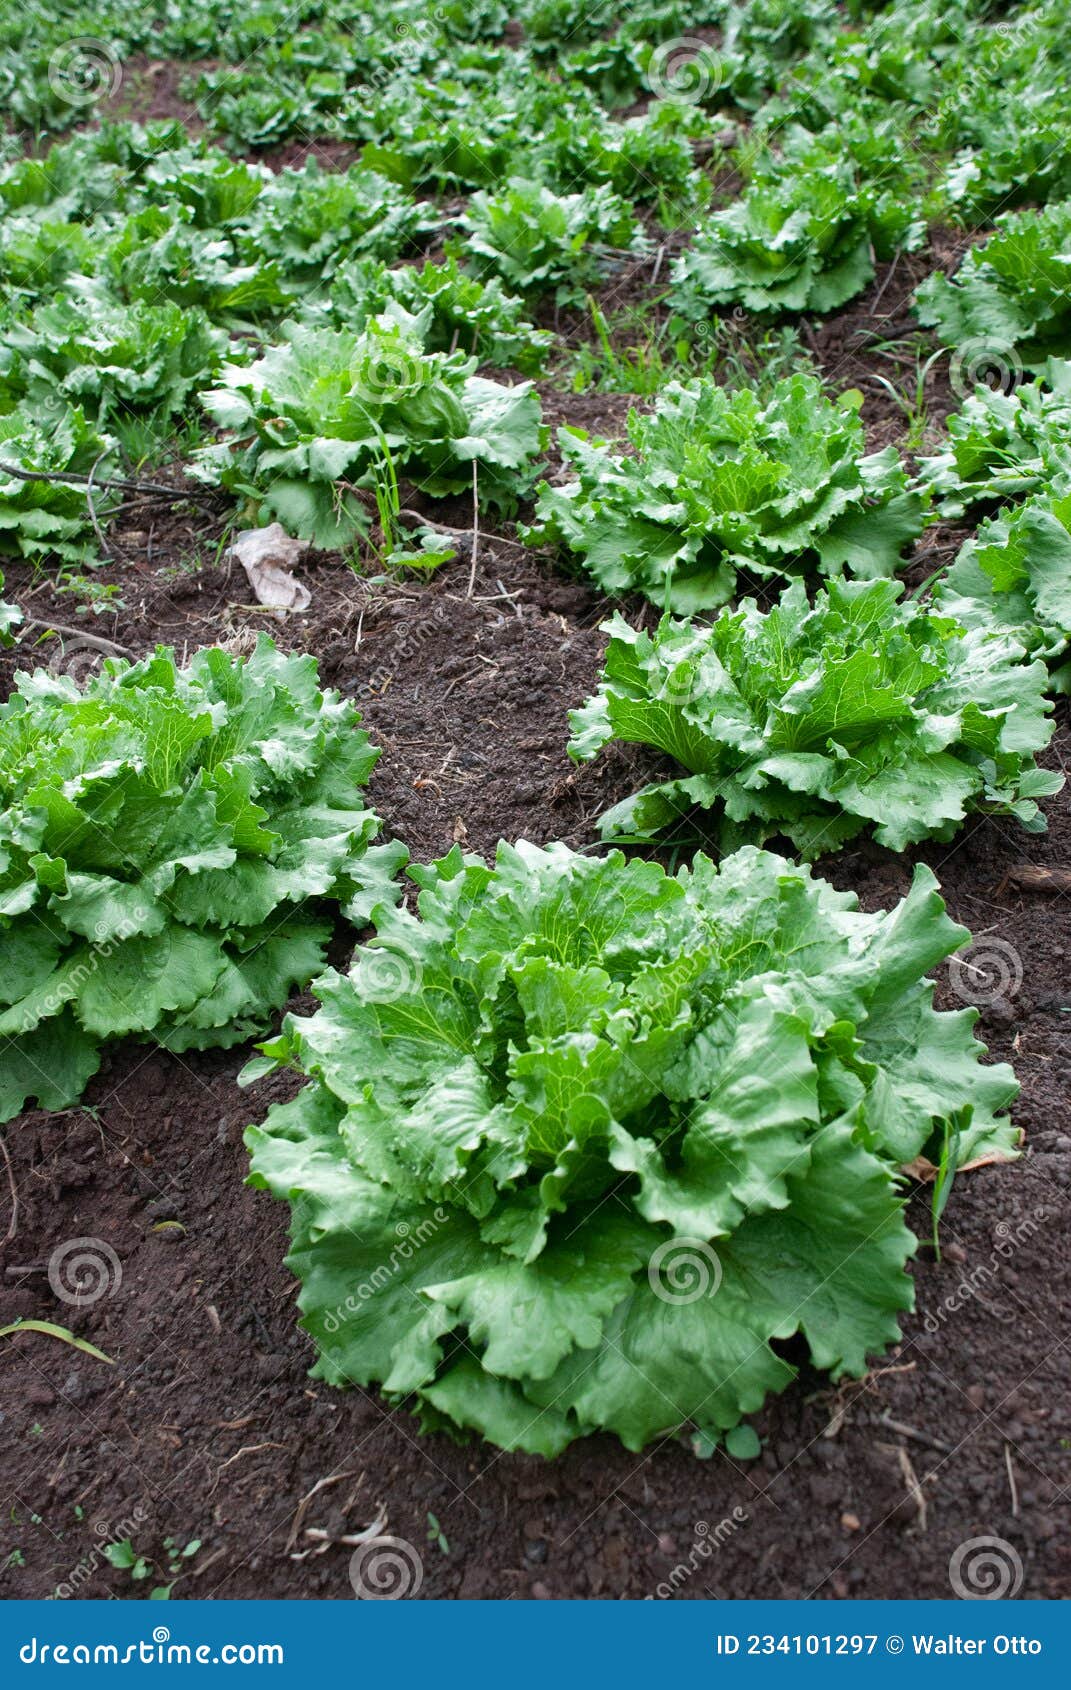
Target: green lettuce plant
(160,254)
(720,481)
(583,1143)
(455,310)
(308,221)
(1012,294)
(165,838)
(51,518)
(1010,138)
(324,417)
(803,237)
(644,158)
(761,40)
(1014,574)
(539,241)
(70,181)
(1002,446)
(817,722)
(448,136)
(218,192)
(89,350)
(255,110)
(10,617)
(37,256)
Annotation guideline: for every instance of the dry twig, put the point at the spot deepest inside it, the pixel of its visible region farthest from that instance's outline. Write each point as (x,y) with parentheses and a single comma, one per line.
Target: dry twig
(14,1221)
(111,647)
(475,532)
(905,1431)
(1012,1486)
(913,1486)
(303,1505)
(1029,878)
(176,495)
(246,1449)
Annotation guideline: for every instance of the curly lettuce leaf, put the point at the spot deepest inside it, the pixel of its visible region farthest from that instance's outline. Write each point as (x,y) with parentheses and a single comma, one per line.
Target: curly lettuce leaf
(582,1142)
(165,835)
(1002,446)
(720,482)
(320,417)
(1014,575)
(814,721)
(1010,299)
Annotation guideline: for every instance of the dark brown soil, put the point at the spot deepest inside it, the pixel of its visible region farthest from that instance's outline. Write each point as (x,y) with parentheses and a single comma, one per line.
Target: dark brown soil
(151,90)
(207,1427)
(878,335)
(296,153)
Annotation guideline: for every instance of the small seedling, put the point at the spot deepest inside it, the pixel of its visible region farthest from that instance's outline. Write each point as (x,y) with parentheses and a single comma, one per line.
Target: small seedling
(952,1135)
(912,404)
(175,1558)
(96,597)
(125,1558)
